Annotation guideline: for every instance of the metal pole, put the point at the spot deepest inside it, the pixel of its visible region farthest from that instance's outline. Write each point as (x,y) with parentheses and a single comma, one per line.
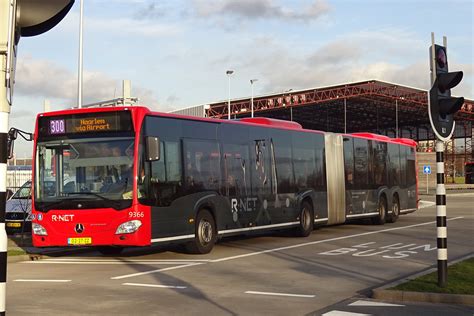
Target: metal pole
(6,19)
(442,230)
(396,117)
(251,84)
(345,116)
(79,86)
(427,178)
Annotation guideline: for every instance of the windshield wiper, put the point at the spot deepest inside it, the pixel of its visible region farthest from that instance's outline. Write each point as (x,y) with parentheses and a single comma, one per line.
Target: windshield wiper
(116,203)
(57,203)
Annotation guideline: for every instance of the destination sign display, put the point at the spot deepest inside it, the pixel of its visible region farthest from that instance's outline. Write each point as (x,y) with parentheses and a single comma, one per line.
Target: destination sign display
(86,123)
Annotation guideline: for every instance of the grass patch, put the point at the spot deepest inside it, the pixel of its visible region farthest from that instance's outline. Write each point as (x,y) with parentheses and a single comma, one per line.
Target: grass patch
(16,252)
(460,280)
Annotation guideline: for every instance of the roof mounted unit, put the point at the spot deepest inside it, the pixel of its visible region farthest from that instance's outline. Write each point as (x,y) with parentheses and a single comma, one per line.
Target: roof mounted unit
(272,122)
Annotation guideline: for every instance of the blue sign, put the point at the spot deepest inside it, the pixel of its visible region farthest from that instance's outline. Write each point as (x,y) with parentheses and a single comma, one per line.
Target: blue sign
(427,169)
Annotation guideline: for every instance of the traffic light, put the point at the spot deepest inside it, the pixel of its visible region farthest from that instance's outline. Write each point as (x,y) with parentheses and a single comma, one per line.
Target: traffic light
(442,106)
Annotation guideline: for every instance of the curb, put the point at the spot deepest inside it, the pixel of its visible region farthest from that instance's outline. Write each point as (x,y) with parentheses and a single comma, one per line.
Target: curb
(32,256)
(383,292)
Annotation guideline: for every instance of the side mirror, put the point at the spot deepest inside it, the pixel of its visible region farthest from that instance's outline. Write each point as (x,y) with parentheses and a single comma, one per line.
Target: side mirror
(152,148)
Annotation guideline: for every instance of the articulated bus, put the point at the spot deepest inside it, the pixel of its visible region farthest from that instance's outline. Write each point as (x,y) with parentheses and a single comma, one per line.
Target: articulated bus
(127,176)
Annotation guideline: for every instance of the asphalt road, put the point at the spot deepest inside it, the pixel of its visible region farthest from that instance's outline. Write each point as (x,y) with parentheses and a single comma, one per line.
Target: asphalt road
(273,274)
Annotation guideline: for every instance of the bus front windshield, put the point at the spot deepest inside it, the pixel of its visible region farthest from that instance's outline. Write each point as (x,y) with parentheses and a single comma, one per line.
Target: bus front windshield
(84,173)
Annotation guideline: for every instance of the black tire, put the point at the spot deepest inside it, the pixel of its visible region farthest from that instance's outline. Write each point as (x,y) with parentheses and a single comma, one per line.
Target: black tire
(395,210)
(205,233)
(306,217)
(382,209)
(110,250)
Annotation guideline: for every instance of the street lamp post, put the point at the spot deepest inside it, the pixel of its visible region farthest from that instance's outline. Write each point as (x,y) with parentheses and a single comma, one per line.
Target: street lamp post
(229,73)
(251,84)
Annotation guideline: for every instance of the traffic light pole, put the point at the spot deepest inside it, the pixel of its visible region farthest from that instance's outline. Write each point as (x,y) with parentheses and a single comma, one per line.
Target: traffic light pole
(441,227)
(4,115)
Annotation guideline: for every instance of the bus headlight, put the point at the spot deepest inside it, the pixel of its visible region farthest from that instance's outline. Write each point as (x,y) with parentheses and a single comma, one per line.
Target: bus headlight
(39,230)
(128,227)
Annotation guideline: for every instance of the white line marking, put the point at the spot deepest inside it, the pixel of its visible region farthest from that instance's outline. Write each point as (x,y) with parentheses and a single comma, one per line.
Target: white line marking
(156,285)
(279,294)
(98,262)
(373,303)
(325,240)
(424,204)
(341,313)
(129,260)
(154,271)
(26,280)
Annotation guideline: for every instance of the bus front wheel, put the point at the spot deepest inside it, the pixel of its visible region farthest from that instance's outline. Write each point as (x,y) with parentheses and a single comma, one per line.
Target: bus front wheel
(306,224)
(205,233)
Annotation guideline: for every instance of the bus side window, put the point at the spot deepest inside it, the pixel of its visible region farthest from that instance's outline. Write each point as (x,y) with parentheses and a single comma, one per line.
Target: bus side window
(349,161)
(202,161)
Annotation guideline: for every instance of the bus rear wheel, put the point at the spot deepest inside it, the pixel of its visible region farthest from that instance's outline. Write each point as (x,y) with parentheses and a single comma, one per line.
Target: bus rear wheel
(306,224)
(205,233)
(382,208)
(395,210)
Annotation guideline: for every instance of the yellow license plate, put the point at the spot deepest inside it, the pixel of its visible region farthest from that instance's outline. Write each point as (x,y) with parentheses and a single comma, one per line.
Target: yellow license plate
(16,225)
(79,241)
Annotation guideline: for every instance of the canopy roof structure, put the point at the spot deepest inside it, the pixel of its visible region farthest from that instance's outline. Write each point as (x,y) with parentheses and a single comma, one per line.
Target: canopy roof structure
(367,106)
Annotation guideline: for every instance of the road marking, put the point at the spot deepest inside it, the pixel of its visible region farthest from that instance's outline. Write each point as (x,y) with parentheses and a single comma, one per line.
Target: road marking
(279,294)
(106,262)
(280,249)
(154,271)
(129,260)
(373,303)
(425,204)
(156,285)
(341,313)
(26,280)
(326,240)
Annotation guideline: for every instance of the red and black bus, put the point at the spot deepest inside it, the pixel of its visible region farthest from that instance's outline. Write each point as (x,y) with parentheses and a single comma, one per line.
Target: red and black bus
(127,176)
(469,172)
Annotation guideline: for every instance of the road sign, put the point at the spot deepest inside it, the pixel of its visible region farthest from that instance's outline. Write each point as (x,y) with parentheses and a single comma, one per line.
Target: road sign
(427,169)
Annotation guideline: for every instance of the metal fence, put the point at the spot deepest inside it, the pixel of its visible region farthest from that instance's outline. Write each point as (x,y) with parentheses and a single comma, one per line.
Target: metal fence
(16,178)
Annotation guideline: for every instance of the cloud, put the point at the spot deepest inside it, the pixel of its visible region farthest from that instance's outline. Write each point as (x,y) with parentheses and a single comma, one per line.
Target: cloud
(43,78)
(257,9)
(354,57)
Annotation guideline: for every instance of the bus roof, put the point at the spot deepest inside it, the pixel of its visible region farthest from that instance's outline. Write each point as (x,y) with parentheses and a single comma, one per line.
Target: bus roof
(261,121)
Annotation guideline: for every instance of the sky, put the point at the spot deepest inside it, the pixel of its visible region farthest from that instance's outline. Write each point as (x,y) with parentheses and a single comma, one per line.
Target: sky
(176,53)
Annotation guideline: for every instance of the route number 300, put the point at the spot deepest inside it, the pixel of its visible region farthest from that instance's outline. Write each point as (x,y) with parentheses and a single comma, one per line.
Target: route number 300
(136,214)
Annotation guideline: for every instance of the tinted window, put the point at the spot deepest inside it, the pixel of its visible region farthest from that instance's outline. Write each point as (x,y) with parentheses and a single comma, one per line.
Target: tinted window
(281,151)
(411,166)
(349,160)
(159,182)
(320,161)
(236,170)
(260,155)
(202,161)
(360,161)
(304,160)
(380,168)
(394,165)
